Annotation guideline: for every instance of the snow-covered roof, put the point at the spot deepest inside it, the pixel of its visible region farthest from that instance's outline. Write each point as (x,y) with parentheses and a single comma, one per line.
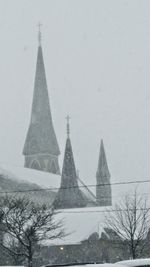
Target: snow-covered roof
(49,180)
(79,224)
(82,222)
(29,182)
(22,174)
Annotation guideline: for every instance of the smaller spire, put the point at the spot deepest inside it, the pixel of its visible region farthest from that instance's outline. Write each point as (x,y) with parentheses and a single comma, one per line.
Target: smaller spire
(102,163)
(68,126)
(69,194)
(39,33)
(103,188)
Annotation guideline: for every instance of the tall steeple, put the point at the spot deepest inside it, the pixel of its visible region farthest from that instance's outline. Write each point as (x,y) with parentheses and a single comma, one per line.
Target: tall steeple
(41,149)
(69,194)
(103,188)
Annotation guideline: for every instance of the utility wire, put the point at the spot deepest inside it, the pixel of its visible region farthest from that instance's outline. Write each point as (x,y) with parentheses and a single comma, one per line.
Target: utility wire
(102,211)
(80,186)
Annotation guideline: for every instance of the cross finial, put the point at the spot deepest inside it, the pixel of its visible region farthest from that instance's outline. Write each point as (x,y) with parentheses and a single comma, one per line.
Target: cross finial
(39,33)
(68,126)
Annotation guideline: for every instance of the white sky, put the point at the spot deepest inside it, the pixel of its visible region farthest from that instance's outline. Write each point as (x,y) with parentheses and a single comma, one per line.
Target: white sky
(97,60)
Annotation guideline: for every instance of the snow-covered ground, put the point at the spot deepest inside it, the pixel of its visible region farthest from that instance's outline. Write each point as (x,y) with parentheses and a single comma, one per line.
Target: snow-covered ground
(94,265)
(135,263)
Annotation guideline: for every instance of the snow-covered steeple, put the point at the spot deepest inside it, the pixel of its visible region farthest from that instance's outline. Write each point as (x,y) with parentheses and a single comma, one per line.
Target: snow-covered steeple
(41,147)
(103,187)
(69,194)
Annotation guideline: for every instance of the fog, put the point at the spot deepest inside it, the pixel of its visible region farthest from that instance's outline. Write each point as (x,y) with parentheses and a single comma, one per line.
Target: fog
(97,60)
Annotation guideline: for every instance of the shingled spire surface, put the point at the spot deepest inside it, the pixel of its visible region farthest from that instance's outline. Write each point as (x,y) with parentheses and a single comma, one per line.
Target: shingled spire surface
(103,188)
(69,194)
(41,147)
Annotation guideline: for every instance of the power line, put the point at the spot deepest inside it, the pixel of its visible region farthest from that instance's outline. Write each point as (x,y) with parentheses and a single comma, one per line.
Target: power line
(102,211)
(80,186)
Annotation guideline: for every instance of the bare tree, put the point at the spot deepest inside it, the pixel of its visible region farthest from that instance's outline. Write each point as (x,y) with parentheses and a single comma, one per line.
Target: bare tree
(130,220)
(27,224)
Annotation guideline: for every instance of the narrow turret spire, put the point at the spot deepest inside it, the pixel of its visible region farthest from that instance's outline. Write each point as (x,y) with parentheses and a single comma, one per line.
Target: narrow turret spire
(103,188)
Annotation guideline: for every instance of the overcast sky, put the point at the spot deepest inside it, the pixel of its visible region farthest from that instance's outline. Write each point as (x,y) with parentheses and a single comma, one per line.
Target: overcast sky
(97,60)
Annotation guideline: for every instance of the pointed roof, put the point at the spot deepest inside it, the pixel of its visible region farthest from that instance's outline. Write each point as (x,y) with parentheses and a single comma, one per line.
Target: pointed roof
(69,169)
(41,136)
(69,194)
(102,170)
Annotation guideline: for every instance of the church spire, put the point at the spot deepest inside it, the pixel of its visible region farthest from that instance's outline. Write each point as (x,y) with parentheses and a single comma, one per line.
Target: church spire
(39,33)
(103,188)
(69,194)
(41,148)
(68,126)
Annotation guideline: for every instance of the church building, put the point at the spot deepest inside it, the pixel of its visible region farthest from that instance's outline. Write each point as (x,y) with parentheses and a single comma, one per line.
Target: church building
(41,151)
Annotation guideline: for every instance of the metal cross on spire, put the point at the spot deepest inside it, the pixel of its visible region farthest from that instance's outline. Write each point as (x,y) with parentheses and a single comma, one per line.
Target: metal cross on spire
(39,33)
(68,126)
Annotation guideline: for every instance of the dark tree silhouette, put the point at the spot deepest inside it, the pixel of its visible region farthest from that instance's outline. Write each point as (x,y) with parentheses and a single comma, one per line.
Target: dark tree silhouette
(130,220)
(26,224)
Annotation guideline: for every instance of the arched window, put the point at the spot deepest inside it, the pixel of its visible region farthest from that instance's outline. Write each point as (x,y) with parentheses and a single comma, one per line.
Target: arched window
(35,165)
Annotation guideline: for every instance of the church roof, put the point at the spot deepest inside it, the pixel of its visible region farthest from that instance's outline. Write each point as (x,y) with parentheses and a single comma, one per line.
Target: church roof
(102,170)
(41,136)
(23,181)
(40,178)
